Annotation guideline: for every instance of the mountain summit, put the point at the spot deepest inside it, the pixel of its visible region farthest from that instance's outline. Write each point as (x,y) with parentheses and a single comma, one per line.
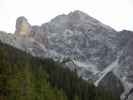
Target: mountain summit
(95,50)
(76,20)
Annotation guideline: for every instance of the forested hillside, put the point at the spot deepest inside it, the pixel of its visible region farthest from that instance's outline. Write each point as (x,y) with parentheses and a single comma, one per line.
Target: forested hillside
(23,77)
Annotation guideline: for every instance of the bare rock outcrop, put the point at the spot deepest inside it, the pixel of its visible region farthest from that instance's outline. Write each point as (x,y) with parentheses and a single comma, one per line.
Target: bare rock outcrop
(23,28)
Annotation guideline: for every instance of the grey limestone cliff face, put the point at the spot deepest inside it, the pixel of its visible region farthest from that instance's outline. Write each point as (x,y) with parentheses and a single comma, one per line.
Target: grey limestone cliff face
(108,83)
(78,35)
(90,44)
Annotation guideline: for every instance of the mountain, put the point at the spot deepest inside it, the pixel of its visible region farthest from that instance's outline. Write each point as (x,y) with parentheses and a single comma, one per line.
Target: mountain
(82,43)
(24,77)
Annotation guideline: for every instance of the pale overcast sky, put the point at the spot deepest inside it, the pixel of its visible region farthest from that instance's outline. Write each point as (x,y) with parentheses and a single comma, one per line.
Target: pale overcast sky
(116,13)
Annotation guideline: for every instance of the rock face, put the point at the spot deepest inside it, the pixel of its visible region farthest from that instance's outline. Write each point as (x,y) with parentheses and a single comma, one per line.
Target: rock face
(112,83)
(31,39)
(80,36)
(92,46)
(23,28)
(40,35)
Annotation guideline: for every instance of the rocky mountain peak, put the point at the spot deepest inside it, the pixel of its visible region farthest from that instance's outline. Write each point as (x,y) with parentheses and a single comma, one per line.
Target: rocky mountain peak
(23,28)
(77,13)
(77,21)
(92,45)
(81,16)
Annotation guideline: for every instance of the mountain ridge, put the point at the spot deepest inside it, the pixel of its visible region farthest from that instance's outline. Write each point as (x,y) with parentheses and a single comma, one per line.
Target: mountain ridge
(24,77)
(81,38)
